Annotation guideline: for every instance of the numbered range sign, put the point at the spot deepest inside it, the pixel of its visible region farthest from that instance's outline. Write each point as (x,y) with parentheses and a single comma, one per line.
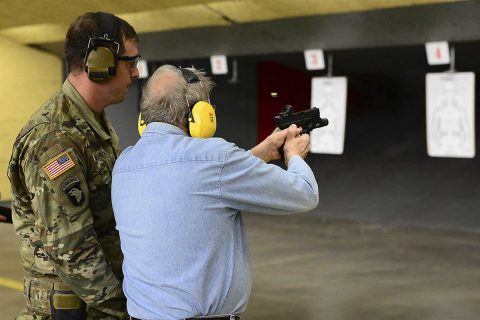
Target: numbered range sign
(451,114)
(438,52)
(314,59)
(218,64)
(330,96)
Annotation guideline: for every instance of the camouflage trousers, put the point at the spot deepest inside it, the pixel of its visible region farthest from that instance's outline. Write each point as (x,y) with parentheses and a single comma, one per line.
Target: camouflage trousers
(30,315)
(37,293)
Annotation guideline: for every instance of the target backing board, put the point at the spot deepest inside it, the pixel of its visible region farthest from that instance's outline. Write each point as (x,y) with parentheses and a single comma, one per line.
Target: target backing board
(450,108)
(329,94)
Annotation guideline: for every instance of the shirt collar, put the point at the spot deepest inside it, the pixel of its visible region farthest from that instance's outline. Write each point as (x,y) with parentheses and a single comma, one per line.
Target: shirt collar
(163,128)
(86,112)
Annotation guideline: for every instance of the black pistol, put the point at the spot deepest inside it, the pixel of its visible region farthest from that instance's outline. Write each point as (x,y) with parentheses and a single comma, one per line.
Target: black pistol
(308,119)
(6,213)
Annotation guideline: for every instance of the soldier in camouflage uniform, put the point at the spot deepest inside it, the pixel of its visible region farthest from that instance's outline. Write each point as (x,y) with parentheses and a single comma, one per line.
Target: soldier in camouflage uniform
(60,173)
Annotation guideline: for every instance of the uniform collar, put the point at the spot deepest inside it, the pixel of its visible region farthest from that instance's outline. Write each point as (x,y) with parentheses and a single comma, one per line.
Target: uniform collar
(88,114)
(163,128)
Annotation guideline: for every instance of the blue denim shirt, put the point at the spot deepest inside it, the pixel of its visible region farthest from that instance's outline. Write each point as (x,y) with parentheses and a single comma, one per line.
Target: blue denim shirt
(177,203)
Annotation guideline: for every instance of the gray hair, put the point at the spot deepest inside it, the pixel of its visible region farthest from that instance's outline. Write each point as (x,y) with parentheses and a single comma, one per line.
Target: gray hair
(167,96)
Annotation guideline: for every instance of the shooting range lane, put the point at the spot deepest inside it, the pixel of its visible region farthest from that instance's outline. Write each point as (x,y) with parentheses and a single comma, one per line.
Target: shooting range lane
(384,174)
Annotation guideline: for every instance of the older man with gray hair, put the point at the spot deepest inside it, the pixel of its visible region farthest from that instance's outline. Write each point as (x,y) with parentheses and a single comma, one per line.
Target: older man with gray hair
(178,200)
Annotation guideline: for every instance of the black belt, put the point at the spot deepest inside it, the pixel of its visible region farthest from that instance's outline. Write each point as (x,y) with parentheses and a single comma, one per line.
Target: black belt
(222,317)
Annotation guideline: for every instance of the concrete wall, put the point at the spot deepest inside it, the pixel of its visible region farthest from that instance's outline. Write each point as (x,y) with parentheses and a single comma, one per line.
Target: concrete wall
(379,28)
(406,26)
(29,78)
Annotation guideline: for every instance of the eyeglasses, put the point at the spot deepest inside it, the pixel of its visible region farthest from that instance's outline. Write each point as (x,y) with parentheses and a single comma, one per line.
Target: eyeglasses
(133,60)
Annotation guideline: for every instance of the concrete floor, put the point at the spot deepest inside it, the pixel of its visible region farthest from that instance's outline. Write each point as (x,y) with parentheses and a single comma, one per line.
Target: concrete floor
(307,268)
(11,301)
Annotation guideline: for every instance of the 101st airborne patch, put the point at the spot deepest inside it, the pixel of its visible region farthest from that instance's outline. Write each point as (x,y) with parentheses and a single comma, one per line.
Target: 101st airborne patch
(71,187)
(58,165)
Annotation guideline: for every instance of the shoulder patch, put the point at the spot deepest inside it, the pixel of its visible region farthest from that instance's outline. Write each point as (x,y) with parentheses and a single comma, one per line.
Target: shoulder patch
(71,187)
(58,165)
(53,151)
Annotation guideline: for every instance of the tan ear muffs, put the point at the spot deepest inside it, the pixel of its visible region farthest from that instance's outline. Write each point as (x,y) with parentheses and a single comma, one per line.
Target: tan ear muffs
(100,64)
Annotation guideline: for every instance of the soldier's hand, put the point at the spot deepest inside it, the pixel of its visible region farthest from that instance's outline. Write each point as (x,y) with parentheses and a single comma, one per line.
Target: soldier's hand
(296,144)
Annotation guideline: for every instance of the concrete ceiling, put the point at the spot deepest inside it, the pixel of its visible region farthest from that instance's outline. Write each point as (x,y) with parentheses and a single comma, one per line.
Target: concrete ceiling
(46,21)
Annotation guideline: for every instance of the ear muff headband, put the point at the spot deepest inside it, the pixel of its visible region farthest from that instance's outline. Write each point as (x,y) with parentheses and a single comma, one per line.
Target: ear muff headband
(189,75)
(108,26)
(102,51)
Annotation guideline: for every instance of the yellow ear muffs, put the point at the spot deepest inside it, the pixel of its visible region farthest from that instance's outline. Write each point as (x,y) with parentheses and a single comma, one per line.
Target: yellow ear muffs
(202,121)
(141,124)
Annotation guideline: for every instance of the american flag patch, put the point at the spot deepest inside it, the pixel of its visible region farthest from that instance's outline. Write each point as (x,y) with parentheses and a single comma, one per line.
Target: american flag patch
(58,165)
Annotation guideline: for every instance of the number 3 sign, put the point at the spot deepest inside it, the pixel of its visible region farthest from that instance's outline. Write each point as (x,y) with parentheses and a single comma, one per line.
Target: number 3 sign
(314,59)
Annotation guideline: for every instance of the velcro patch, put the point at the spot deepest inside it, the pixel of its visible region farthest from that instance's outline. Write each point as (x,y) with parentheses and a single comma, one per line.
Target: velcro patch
(53,151)
(58,165)
(66,301)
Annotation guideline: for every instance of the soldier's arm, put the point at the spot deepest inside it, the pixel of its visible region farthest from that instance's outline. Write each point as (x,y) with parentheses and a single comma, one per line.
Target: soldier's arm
(55,173)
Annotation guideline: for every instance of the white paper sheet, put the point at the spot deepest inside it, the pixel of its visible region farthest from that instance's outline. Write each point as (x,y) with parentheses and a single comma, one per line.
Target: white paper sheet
(450,114)
(329,94)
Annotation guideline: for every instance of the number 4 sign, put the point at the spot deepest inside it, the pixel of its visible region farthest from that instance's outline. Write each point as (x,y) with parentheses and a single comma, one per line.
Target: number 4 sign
(437,52)
(314,59)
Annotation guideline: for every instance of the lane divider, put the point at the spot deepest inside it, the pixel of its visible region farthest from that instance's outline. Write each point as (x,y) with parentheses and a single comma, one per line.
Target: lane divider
(11,284)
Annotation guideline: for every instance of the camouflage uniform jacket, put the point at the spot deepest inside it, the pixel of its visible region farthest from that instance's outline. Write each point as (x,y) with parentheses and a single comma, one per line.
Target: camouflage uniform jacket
(60,173)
